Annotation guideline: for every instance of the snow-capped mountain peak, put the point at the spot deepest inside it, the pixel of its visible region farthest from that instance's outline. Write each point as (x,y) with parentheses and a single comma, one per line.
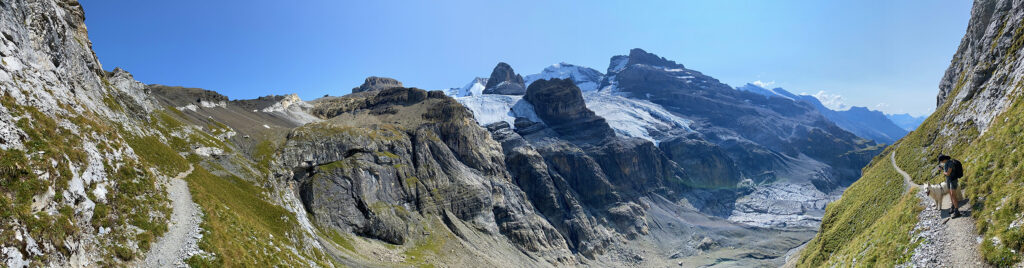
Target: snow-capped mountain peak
(776,92)
(473,88)
(587,79)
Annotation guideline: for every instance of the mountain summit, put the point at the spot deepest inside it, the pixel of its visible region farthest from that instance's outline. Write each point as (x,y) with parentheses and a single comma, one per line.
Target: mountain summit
(504,81)
(377,83)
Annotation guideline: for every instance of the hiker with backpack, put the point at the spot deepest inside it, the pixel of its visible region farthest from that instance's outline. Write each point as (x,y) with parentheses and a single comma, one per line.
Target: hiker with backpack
(953,170)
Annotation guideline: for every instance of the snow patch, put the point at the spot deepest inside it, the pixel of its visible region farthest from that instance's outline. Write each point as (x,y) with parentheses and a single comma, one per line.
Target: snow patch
(775,92)
(474,88)
(633,117)
(618,64)
(492,108)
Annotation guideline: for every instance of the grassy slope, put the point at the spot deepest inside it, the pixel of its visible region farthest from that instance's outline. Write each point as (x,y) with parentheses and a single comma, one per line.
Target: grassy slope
(992,182)
(241,228)
(135,210)
(871,228)
(992,174)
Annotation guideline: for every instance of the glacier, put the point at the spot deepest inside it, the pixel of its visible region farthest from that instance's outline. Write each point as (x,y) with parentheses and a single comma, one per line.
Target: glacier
(587,79)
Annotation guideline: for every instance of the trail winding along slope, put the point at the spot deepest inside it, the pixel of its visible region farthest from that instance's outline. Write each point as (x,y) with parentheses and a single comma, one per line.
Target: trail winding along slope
(951,243)
(182,232)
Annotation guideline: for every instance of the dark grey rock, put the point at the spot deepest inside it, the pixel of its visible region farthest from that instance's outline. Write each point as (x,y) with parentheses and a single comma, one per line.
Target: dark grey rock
(377,83)
(504,81)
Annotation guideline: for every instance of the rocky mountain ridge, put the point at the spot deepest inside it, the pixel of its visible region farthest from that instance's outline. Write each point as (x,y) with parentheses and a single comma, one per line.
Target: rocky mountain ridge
(377,83)
(865,123)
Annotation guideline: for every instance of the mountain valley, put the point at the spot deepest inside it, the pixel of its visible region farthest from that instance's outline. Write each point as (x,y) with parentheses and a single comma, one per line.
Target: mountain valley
(646,164)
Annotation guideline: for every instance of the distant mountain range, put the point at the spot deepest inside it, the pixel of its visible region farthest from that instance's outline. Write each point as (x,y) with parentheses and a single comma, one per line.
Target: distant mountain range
(866,123)
(907,121)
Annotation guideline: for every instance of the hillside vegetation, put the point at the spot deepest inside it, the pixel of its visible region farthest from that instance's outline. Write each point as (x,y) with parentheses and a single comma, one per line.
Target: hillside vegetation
(979,120)
(872,228)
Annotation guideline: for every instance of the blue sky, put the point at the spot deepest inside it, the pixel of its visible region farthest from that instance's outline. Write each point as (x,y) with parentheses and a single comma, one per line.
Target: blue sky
(886,55)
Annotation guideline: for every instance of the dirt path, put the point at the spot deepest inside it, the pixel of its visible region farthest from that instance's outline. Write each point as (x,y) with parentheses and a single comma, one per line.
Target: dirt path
(952,243)
(907,181)
(182,230)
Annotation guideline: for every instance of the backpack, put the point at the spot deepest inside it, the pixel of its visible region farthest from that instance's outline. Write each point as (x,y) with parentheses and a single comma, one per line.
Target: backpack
(956,169)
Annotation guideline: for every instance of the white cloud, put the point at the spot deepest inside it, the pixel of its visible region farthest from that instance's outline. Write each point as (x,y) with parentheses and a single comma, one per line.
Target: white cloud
(763,84)
(881,105)
(832,101)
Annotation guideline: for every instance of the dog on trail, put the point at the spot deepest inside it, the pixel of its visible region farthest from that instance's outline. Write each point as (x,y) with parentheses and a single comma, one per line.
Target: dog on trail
(937,191)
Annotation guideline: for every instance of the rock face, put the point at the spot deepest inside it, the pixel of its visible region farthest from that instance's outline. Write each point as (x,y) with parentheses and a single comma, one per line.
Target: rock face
(64,152)
(504,81)
(560,104)
(377,83)
(385,163)
(973,72)
(702,159)
(551,193)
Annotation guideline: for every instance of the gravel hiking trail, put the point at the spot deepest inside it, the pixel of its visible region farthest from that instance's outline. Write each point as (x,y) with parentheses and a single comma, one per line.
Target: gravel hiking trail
(183,229)
(952,243)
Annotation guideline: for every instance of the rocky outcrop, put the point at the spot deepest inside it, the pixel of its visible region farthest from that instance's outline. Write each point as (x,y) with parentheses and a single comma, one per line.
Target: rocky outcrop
(981,75)
(504,81)
(385,161)
(706,163)
(377,83)
(64,155)
(552,195)
(560,104)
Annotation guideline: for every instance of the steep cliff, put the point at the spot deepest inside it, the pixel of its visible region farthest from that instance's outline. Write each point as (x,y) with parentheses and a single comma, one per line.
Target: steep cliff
(91,162)
(397,163)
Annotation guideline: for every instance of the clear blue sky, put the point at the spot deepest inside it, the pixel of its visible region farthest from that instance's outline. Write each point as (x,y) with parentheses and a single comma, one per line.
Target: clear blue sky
(870,52)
